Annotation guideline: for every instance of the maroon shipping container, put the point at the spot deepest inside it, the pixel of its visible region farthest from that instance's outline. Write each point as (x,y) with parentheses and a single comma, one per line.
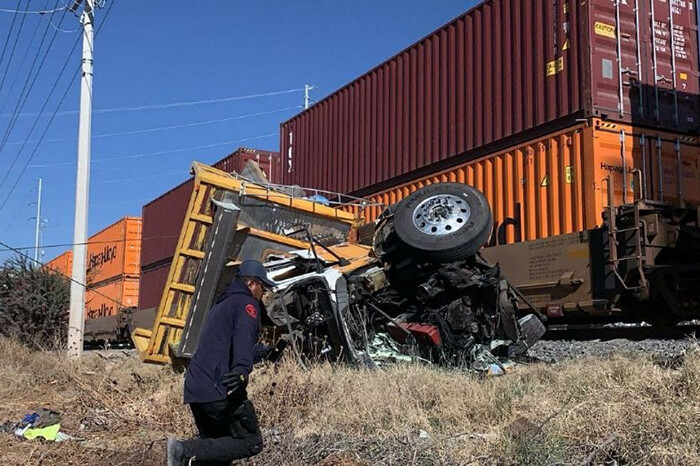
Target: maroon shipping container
(152,283)
(163,216)
(504,72)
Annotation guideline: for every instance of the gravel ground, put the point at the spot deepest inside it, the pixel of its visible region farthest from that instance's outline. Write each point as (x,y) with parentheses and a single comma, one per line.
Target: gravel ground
(556,350)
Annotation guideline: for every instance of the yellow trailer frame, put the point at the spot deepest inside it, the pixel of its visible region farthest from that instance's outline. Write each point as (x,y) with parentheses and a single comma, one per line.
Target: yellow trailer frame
(156,345)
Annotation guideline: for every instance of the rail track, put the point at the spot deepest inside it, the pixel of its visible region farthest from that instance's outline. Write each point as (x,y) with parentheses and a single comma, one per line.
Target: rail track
(632,332)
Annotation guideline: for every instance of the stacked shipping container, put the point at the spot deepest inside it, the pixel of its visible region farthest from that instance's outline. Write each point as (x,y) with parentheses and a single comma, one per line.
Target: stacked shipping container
(505,73)
(163,217)
(555,184)
(113,268)
(62,264)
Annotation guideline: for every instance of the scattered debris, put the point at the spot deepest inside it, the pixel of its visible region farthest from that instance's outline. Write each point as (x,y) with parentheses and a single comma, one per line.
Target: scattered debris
(43,424)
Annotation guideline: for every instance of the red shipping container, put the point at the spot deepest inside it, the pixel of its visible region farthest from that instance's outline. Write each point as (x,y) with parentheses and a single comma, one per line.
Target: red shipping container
(504,72)
(152,285)
(163,216)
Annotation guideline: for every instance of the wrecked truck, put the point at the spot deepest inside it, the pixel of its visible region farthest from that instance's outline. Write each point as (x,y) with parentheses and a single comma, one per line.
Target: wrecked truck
(410,286)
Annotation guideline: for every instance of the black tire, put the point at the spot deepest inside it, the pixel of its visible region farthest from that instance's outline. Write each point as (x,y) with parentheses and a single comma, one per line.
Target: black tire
(473,223)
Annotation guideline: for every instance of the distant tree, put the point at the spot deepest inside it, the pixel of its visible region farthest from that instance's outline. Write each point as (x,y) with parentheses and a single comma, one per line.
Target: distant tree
(34,304)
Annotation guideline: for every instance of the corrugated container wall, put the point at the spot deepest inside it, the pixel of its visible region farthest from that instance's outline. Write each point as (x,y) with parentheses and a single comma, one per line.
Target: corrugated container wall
(115,252)
(152,285)
(109,298)
(163,216)
(503,73)
(62,264)
(556,184)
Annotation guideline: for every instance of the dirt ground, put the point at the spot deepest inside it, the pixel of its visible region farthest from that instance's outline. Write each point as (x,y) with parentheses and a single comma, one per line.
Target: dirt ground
(625,409)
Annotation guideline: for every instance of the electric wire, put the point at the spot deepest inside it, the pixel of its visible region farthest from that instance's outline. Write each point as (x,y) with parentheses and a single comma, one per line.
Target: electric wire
(172,104)
(70,84)
(87,243)
(27,12)
(58,28)
(153,154)
(24,94)
(166,128)
(36,121)
(21,65)
(22,254)
(12,51)
(9,34)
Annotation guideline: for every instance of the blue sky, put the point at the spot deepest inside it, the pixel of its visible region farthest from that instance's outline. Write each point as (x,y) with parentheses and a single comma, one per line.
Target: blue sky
(160,52)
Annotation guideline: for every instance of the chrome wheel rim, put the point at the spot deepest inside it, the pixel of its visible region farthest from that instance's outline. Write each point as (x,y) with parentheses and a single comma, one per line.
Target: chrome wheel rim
(441,215)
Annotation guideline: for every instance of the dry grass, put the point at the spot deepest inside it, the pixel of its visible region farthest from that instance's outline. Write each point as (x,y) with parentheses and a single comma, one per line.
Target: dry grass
(627,407)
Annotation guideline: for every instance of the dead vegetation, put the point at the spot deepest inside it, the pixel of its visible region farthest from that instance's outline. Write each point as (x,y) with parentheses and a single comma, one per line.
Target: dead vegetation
(629,409)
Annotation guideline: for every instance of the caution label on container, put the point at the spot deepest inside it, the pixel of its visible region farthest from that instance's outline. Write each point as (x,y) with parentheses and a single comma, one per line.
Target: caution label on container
(605,30)
(556,66)
(569,171)
(545,181)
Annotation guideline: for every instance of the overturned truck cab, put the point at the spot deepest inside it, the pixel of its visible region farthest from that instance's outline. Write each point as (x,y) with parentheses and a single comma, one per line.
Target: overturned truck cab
(415,289)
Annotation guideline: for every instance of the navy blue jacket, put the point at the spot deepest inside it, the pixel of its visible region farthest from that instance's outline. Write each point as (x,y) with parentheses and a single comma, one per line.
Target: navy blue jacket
(226,344)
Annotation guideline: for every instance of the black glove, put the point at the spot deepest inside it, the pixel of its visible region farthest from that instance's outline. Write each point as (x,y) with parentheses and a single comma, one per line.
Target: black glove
(276,353)
(261,352)
(234,382)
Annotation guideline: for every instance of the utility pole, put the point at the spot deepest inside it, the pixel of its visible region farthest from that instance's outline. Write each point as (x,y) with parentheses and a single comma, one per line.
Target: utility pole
(37,234)
(76,322)
(307,99)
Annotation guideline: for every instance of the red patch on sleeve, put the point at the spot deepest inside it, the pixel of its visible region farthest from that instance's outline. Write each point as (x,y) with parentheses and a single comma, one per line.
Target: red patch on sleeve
(252,311)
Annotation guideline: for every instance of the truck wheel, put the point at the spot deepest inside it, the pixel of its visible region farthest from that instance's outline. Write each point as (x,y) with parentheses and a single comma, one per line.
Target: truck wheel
(444,222)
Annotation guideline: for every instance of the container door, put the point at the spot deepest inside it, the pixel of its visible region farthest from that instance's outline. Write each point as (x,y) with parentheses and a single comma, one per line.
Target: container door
(616,155)
(616,55)
(672,160)
(673,79)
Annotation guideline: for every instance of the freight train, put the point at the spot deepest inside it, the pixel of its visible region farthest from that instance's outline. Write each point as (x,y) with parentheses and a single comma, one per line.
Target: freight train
(578,121)
(113,267)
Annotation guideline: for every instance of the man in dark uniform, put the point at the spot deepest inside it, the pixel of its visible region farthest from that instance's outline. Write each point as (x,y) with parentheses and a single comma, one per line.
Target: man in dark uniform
(217,376)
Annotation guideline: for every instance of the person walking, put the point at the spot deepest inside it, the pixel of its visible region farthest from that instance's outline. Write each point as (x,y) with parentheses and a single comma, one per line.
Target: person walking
(217,376)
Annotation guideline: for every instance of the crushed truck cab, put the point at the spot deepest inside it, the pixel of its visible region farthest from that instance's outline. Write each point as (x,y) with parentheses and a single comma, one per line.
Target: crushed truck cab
(411,286)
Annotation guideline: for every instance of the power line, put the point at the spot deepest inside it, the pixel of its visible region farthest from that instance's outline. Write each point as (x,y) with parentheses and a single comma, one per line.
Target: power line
(133,178)
(58,28)
(36,121)
(153,154)
(23,97)
(14,46)
(27,12)
(75,75)
(9,34)
(19,252)
(171,105)
(166,128)
(21,65)
(19,177)
(87,243)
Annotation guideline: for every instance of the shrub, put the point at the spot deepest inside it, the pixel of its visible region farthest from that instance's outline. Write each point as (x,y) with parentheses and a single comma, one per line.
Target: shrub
(34,304)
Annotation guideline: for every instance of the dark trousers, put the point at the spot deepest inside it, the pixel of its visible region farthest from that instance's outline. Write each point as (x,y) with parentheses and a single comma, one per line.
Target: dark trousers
(228,430)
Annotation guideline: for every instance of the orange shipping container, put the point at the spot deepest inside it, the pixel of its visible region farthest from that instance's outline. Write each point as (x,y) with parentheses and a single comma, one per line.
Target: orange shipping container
(63,264)
(556,184)
(115,251)
(109,298)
